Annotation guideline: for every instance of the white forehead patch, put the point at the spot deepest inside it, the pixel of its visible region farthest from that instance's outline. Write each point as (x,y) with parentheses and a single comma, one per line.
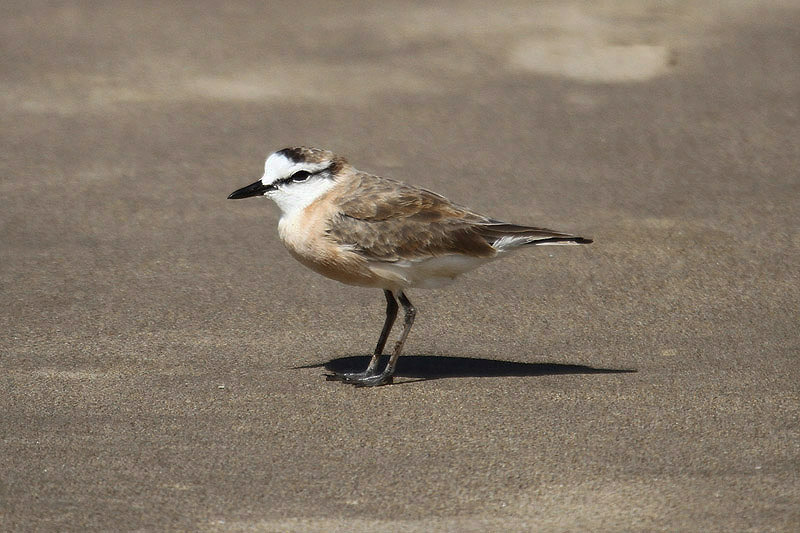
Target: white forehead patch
(293,198)
(279,166)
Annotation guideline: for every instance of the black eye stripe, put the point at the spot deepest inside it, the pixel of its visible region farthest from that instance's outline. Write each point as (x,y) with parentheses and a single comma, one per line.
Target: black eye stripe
(301,175)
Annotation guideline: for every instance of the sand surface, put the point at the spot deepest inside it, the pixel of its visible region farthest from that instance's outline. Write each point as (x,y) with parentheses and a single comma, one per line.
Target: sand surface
(162,356)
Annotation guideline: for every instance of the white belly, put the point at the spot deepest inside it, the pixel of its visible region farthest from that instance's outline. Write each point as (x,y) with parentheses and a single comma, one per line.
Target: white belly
(428,273)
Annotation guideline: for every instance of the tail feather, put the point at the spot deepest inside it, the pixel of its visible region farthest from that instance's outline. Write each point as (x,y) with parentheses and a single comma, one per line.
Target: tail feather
(563,240)
(504,235)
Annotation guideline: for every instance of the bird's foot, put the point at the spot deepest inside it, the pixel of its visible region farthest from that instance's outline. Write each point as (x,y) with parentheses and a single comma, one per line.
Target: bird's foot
(372,381)
(347,376)
(361,379)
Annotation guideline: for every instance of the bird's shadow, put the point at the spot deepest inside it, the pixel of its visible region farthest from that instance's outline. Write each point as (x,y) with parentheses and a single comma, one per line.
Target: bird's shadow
(425,367)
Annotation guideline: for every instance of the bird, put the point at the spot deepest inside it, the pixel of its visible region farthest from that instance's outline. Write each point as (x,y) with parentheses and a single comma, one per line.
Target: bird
(370,231)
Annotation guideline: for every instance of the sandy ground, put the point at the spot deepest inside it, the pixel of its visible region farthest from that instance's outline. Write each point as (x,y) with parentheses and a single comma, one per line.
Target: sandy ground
(162,356)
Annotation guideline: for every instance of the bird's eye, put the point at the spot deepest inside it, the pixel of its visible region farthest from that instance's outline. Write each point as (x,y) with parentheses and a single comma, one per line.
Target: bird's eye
(300,175)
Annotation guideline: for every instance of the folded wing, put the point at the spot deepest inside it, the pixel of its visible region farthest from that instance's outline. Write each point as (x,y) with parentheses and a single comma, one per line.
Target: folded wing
(386,220)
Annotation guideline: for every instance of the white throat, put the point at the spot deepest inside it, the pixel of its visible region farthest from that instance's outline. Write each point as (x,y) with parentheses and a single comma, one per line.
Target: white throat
(293,198)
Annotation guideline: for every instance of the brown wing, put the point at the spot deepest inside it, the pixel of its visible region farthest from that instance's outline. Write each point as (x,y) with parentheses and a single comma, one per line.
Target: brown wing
(496,230)
(386,220)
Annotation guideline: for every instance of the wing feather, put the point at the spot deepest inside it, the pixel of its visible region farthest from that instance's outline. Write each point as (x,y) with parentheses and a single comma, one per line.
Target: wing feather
(387,220)
(526,234)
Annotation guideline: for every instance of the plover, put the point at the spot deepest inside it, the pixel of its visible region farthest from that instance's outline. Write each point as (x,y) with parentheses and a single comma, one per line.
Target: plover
(370,231)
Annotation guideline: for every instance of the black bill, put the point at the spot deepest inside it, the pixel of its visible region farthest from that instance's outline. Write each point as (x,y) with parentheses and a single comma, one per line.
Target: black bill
(254,189)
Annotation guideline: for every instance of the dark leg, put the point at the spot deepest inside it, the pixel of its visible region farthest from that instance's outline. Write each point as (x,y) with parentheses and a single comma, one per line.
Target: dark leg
(386,376)
(391,315)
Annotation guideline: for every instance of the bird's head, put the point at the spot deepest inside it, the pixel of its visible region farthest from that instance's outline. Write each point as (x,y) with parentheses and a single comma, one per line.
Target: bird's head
(295,177)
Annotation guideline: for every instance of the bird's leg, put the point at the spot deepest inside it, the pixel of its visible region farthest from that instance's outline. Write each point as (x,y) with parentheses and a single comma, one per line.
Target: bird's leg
(386,376)
(391,315)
